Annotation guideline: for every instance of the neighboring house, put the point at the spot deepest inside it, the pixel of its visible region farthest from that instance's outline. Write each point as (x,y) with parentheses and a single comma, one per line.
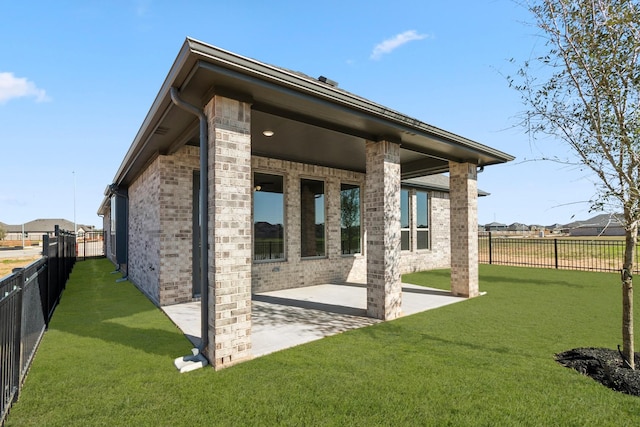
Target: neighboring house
(294,182)
(556,228)
(516,226)
(495,226)
(34,230)
(600,225)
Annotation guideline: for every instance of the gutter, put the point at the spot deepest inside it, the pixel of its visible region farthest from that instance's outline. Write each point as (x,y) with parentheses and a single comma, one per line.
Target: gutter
(203,213)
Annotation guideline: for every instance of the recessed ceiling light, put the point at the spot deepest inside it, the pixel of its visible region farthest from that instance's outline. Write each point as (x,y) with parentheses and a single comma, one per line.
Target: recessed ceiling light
(268,133)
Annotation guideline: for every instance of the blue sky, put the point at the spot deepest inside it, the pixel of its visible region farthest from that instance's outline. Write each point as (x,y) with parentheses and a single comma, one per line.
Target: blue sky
(78,77)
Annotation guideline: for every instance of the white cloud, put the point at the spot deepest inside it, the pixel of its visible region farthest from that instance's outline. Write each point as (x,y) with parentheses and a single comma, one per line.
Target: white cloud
(18,87)
(142,7)
(389,45)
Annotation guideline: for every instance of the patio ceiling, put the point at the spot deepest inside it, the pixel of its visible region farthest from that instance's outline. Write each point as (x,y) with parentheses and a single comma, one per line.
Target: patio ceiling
(313,122)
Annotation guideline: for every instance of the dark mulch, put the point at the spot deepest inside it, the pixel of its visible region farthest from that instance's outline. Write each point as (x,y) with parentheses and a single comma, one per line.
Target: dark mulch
(605,366)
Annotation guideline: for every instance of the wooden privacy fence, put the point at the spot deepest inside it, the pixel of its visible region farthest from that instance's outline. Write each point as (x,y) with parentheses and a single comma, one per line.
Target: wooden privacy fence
(28,298)
(562,253)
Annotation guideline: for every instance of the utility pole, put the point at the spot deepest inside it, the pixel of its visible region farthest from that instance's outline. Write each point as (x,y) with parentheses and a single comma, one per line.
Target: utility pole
(75,225)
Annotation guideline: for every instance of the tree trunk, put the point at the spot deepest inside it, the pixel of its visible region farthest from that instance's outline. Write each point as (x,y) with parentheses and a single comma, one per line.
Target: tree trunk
(627,293)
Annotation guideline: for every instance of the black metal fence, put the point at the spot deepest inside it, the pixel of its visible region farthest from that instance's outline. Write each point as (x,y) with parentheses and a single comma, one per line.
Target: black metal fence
(90,244)
(28,298)
(268,249)
(560,253)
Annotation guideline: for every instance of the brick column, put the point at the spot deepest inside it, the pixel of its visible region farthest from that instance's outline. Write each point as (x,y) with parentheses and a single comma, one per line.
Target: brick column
(382,221)
(230,231)
(464,229)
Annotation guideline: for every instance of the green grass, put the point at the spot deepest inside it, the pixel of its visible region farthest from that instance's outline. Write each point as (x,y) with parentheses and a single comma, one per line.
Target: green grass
(107,360)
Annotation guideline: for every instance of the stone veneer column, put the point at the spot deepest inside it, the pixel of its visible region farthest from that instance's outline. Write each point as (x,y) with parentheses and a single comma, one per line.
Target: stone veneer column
(230,231)
(382,220)
(464,229)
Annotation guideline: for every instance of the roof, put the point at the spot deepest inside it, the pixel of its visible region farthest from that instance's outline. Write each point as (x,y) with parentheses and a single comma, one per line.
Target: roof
(42,225)
(601,220)
(314,122)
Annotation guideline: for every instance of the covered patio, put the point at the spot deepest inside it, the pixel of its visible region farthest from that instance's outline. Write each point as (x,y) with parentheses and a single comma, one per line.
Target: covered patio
(290,317)
(246,178)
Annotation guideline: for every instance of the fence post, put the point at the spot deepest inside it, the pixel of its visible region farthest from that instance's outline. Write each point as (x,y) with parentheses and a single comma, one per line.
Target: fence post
(490,250)
(45,295)
(555,251)
(17,347)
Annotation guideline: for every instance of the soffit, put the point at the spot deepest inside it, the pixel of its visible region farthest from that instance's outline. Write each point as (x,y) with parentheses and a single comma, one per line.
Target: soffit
(312,121)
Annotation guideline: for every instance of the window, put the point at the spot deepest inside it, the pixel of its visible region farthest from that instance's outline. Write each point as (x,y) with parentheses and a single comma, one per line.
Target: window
(268,217)
(422,219)
(350,219)
(312,240)
(405,244)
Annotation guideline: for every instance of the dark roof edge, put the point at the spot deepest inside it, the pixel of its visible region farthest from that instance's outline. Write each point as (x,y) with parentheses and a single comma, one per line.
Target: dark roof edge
(317,88)
(193,49)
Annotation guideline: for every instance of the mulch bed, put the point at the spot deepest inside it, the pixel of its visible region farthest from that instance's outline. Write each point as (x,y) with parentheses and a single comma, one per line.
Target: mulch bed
(605,366)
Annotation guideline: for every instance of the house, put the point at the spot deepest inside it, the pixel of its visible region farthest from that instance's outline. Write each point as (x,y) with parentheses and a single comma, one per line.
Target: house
(600,225)
(556,228)
(495,226)
(245,177)
(34,230)
(517,226)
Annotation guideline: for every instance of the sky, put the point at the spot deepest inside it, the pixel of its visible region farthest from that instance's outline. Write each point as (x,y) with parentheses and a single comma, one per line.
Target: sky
(77,79)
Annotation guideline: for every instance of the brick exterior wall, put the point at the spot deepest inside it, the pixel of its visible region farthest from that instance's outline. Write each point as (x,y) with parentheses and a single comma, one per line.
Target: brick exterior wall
(160,216)
(230,225)
(439,253)
(296,271)
(176,224)
(144,231)
(160,227)
(464,229)
(382,221)
(173,237)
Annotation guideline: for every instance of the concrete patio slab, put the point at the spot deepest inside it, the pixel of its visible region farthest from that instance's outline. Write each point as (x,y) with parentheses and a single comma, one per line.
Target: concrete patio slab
(290,317)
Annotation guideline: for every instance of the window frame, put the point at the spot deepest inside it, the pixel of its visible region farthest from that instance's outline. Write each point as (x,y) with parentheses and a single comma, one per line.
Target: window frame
(360,219)
(406,230)
(324,210)
(426,230)
(284,216)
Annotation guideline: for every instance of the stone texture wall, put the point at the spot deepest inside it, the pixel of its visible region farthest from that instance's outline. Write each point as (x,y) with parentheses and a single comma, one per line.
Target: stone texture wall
(464,229)
(160,230)
(230,225)
(382,221)
(144,231)
(160,227)
(295,270)
(439,253)
(176,224)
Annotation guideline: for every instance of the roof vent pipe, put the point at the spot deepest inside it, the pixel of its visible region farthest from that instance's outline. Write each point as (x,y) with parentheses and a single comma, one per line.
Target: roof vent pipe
(328,81)
(204,217)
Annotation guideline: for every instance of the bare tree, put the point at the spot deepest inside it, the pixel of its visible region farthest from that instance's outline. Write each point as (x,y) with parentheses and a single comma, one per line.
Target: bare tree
(587,95)
(3,233)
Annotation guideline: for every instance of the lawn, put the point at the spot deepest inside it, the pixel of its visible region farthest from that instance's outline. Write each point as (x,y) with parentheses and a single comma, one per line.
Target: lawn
(107,360)
(8,264)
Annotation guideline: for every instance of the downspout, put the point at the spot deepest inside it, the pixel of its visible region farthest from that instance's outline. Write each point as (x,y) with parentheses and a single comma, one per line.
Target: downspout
(204,217)
(114,190)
